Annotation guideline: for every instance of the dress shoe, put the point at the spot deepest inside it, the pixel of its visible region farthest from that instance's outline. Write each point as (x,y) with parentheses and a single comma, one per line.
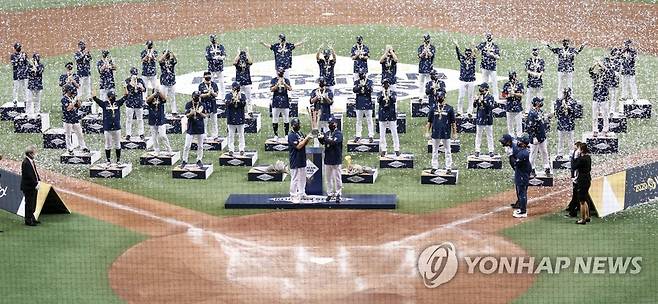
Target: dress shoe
(30,224)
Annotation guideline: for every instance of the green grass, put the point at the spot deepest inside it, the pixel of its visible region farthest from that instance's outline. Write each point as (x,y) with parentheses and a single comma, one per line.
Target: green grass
(630,233)
(66,259)
(24,5)
(209,195)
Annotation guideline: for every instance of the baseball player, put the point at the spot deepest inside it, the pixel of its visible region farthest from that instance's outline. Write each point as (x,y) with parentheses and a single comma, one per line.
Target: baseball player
(297,142)
(565,65)
(35,85)
(628,53)
(388,118)
(215,55)
(426,52)
(235,104)
(196,114)
(565,112)
(536,125)
(111,123)
(484,105)
(360,54)
(513,92)
(389,62)
(534,66)
(322,98)
(283,54)
(598,72)
(441,128)
(135,88)
(333,158)
(490,54)
(106,68)
(71,119)
(327,64)
(83,62)
(467,63)
(149,57)
(69,78)
(242,63)
(614,62)
(20,66)
(364,106)
(156,120)
(280,86)
(435,88)
(522,173)
(168,63)
(208,90)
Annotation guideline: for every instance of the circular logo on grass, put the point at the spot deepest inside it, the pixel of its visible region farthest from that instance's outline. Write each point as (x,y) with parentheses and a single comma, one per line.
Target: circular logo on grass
(438,264)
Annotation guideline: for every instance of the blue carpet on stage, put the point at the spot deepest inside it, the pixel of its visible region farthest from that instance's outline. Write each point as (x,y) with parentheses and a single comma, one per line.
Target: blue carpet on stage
(268,201)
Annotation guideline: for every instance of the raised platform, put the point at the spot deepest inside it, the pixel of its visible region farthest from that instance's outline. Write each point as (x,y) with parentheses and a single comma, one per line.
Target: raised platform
(210,144)
(541,180)
(55,138)
(465,124)
(252,124)
(362,178)
(110,171)
(247,160)
(455,146)
(267,201)
(404,161)
(640,108)
(31,123)
(401,124)
(80,158)
(9,110)
(561,164)
(602,144)
(419,108)
(174,124)
(485,162)
(441,178)
(617,123)
(363,146)
(279,145)
(162,159)
(499,110)
(191,171)
(136,144)
(261,174)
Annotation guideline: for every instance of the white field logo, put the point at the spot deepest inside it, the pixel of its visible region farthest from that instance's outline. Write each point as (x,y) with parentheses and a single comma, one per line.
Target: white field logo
(304,75)
(438,264)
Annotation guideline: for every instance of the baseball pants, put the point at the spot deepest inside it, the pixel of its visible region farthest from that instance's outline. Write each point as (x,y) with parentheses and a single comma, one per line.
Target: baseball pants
(77,129)
(33,105)
(514,123)
(436,143)
(628,82)
(564,80)
(543,149)
(170,93)
(20,88)
(218,77)
(393,126)
(246,90)
(334,179)
(276,112)
(478,137)
(423,78)
(232,129)
(359,122)
(85,87)
(112,139)
(614,102)
(214,124)
(199,146)
(492,78)
(139,113)
(298,182)
(604,109)
(465,91)
(565,139)
(160,139)
(530,94)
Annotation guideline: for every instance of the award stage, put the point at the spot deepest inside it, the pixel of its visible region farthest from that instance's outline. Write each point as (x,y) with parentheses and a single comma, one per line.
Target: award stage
(274,201)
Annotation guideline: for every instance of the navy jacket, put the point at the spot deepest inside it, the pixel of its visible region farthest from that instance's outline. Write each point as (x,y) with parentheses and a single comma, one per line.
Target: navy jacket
(111,113)
(536,125)
(324,105)
(168,72)
(70,117)
(20,65)
(333,147)
(280,99)
(488,61)
(327,71)
(430,88)
(106,76)
(297,156)
(195,124)
(148,67)
(466,67)
(514,104)
(235,109)
(135,98)
(441,118)
(83,63)
(389,70)
(565,111)
(360,64)
(215,65)
(536,65)
(243,72)
(522,167)
(426,64)
(363,94)
(35,80)
(628,64)
(600,87)
(64,77)
(156,114)
(565,58)
(483,106)
(209,103)
(387,110)
(282,55)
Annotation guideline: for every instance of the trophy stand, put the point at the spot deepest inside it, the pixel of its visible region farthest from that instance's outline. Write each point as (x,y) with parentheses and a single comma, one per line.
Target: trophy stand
(314,184)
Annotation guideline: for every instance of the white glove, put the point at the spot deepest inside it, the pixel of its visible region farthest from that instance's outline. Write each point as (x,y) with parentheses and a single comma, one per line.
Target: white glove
(427,135)
(37,187)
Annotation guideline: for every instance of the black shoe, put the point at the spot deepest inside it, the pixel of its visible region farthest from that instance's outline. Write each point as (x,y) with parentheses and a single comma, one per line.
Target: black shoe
(230,153)
(141,137)
(199,164)
(128,137)
(328,198)
(382,153)
(532,173)
(30,223)
(476,154)
(371,140)
(70,152)
(357,139)
(581,222)
(548,172)
(434,171)
(37,222)
(183,164)
(491,154)
(241,153)
(448,171)
(338,199)
(559,157)
(588,220)
(86,150)
(397,153)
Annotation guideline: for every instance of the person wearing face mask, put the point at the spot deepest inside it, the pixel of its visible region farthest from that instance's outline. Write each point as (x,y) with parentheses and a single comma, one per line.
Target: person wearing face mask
(534,66)
(426,53)
(388,117)
(490,55)
(30,183)
(149,58)
(297,142)
(106,68)
(283,53)
(280,86)
(69,78)
(565,65)
(333,158)
(467,63)
(208,90)
(215,55)
(20,66)
(156,119)
(360,54)
(565,112)
(513,92)
(582,167)
(168,63)
(135,88)
(629,54)
(322,98)
(111,124)
(441,128)
(326,60)
(484,105)
(196,114)
(598,72)
(235,104)
(522,174)
(242,65)
(83,61)
(35,85)
(71,119)
(436,87)
(364,106)
(389,62)
(536,125)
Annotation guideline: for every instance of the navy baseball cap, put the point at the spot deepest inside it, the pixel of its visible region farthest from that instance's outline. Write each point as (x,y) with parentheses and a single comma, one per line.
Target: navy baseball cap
(505,138)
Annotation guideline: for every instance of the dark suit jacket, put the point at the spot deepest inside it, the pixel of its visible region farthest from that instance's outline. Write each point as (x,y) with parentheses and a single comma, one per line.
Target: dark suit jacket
(29,176)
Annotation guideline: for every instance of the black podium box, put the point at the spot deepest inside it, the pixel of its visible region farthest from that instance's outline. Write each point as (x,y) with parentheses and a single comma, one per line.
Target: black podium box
(135,143)
(279,145)
(252,123)
(602,144)
(485,162)
(9,110)
(110,171)
(363,146)
(260,174)
(617,124)
(440,178)
(419,108)
(192,171)
(92,124)
(55,138)
(211,144)
(173,124)
(401,123)
(499,110)
(404,161)
(363,178)
(465,124)
(561,164)
(455,146)
(80,158)
(541,180)
(247,160)
(30,123)
(162,159)
(641,108)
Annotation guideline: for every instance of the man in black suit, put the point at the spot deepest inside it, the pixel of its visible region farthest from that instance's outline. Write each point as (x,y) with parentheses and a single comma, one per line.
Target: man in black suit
(30,184)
